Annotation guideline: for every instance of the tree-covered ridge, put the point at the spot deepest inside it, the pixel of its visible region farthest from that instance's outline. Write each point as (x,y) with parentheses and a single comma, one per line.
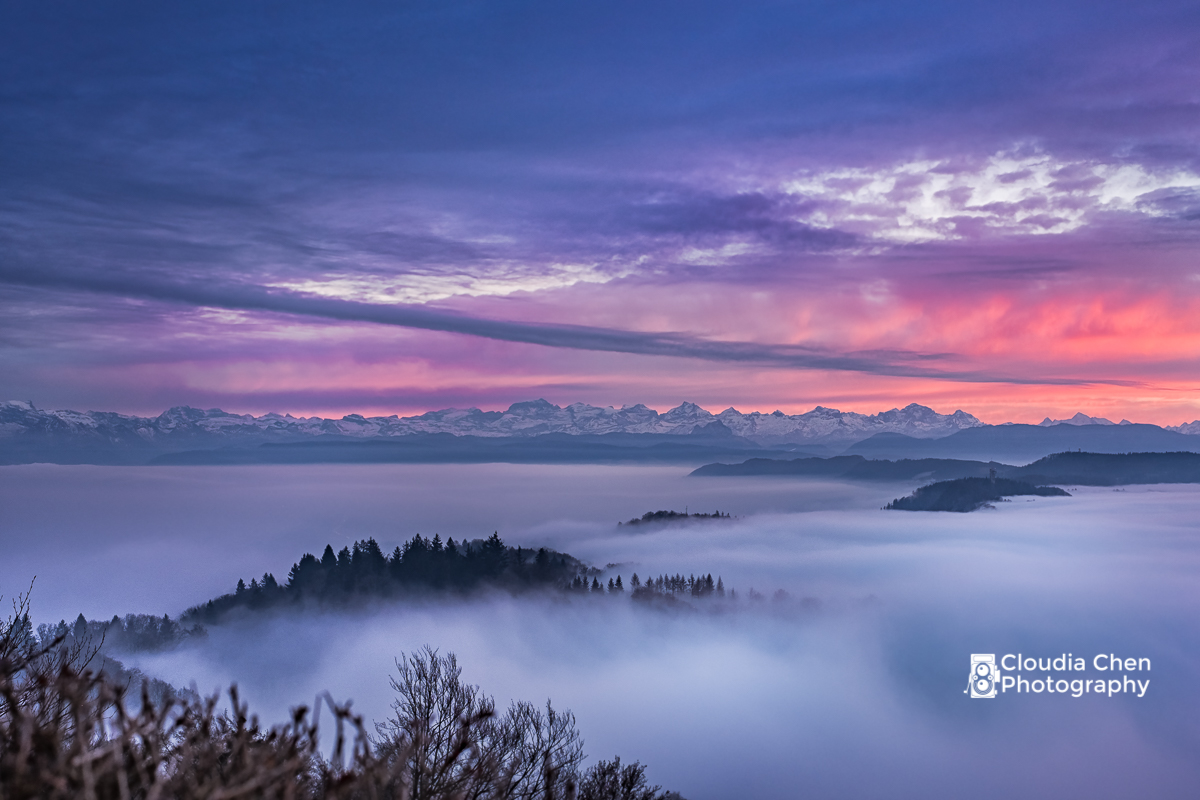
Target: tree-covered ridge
(131,633)
(969,494)
(1074,468)
(652,517)
(692,585)
(421,565)
(425,565)
(87,644)
(697,586)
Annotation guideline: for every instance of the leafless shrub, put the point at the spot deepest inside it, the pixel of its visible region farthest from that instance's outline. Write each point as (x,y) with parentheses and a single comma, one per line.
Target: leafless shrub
(453,744)
(66,731)
(608,780)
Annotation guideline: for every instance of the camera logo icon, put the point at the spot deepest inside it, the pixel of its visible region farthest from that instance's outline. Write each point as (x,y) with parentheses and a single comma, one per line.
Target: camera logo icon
(985,675)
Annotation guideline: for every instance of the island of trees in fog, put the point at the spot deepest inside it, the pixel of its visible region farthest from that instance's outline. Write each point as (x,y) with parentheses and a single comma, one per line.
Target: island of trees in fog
(421,567)
(658,517)
(424,566)
(969,494)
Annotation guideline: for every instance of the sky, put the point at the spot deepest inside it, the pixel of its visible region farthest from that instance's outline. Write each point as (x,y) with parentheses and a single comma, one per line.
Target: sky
(398,207)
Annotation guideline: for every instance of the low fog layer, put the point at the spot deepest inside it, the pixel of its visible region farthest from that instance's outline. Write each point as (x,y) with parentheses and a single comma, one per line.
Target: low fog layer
(861,698)
(165,538)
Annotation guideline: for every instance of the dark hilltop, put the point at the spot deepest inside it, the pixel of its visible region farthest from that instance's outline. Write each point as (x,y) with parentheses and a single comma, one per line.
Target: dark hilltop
(969,494)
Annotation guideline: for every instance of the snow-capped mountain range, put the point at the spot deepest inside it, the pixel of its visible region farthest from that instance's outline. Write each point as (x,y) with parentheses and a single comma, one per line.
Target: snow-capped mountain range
(182,424)
(1083,419)
(19,418)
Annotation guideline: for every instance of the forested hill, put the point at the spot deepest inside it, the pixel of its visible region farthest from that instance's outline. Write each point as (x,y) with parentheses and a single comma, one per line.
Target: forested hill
(424,567)
(969,494)
(1074,468)
(1111,469)
(651,518)
(854,468)
(421,568)
(421,565)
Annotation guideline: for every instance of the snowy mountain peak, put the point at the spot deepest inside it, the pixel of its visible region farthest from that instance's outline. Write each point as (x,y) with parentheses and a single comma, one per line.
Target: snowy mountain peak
(539,405)
(1079,419)
(687,411)
(185,424)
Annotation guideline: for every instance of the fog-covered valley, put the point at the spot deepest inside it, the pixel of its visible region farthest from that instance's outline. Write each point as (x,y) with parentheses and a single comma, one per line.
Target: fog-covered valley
(861,695)
(169,537)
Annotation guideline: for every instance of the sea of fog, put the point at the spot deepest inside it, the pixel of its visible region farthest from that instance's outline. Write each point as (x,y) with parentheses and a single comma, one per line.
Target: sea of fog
(860,696)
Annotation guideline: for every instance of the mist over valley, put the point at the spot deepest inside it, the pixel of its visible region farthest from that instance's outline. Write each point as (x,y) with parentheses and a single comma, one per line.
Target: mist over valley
(861,661)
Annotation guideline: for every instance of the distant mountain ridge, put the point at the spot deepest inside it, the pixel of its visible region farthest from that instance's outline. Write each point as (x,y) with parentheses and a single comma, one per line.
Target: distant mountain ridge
(526,432)
(1082,419)
(1078,469)
(1021,444)
(531,418)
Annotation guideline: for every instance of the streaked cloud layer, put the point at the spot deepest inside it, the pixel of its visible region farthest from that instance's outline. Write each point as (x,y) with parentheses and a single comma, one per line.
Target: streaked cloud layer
(392,208)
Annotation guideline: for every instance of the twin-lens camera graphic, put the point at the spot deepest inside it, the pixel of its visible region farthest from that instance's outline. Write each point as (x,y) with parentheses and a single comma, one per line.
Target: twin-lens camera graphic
(985,675)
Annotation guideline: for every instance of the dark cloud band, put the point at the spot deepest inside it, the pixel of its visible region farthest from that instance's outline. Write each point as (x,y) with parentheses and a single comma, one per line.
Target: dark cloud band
(577,337)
